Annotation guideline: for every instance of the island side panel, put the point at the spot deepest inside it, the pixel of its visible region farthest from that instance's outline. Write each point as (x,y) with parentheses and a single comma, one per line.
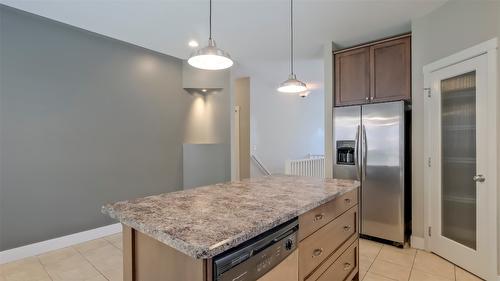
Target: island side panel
(147,259)
(128,251)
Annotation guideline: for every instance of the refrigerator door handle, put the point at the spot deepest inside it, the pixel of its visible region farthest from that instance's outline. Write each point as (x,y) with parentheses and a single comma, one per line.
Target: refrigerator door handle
(365,152)
(356,153)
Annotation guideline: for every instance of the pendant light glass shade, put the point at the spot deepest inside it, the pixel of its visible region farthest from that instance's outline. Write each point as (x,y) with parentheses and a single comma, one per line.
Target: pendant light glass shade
(292,85)
(210,57)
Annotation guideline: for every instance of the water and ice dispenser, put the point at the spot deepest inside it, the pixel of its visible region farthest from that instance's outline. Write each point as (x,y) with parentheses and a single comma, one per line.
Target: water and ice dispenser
(345,152)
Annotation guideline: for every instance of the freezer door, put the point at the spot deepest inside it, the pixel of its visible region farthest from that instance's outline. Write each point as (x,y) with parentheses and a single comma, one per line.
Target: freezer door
(346,142)
(382,193)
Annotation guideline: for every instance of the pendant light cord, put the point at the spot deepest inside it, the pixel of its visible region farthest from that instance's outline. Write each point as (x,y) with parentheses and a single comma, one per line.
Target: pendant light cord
(210,22)
(291,36)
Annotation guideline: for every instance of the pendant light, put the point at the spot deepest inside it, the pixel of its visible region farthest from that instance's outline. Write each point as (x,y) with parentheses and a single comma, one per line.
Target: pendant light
(292,85)
(210,57)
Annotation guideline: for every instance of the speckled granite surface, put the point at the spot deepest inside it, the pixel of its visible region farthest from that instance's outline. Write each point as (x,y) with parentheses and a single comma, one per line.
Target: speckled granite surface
(206,221)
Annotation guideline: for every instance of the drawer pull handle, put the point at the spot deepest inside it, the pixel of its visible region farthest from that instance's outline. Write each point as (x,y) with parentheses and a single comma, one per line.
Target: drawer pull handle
(347,228)
(317,252)
(347,266)
(318,217)
(347,201)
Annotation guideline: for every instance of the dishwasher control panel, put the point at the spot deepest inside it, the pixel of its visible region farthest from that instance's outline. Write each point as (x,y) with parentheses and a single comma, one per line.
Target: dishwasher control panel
(256,257)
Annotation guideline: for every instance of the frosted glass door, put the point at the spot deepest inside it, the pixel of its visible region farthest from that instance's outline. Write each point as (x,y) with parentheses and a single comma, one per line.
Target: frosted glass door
(458,169)
(458,142)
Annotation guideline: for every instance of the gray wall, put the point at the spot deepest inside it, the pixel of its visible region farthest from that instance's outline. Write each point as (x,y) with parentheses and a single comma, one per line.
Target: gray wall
(209,112)
(85,120)
(207,162)
(455,26)
(208,124)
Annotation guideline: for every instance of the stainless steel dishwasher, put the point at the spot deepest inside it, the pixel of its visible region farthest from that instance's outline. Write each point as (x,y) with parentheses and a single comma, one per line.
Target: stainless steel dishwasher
(257,256)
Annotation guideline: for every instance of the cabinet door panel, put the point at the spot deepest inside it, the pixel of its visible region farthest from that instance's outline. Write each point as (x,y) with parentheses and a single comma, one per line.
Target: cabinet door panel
(390,70)
(352,77)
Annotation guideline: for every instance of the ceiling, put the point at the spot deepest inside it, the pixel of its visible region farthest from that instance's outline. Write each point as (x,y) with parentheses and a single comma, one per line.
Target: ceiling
(252,31)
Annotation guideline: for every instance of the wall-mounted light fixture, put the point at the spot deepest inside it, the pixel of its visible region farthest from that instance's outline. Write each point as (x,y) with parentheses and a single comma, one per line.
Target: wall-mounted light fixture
(193,44)
(203,91)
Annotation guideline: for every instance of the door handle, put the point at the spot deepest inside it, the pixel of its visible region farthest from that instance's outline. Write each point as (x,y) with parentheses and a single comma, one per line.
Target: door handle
(356,154)
(365,152)
(479,178)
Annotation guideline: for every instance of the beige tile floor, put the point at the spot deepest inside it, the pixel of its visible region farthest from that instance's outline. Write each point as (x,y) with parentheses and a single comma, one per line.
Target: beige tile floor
(380,262)
(97,260)
(101,260)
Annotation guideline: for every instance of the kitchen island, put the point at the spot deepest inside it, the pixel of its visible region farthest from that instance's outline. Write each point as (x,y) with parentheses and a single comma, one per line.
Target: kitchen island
(176,236)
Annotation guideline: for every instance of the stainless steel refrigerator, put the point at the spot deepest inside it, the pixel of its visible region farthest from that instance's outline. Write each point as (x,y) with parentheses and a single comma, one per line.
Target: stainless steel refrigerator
(371,144)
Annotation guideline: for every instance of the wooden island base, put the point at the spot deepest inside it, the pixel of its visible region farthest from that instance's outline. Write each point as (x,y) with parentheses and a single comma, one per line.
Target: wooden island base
(147,259)
(328,250)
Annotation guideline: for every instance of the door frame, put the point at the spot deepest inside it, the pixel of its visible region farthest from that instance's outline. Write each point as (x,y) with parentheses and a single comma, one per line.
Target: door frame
(488,48)
(236,143)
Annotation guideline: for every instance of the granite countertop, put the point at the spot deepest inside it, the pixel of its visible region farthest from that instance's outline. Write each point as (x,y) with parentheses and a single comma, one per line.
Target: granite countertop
(209,220)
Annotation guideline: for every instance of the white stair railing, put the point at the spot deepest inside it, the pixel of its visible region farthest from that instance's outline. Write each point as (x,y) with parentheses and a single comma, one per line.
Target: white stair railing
(261,166)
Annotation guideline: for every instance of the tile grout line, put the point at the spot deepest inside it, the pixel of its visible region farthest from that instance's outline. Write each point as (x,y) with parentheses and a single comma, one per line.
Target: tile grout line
(43,266)
(437,274)
(368,270)
(116,246)
(121,250)
(391,263)
(85,258)
(413,263)
(375,258)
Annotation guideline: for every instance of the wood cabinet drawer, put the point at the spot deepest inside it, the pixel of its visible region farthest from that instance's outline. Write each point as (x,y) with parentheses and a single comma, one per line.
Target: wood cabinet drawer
(320,216)
(318,247)
(346,265)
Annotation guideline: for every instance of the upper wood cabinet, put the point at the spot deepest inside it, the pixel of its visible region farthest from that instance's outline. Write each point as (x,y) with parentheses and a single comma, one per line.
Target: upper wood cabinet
(390,65)
(352,77)
(375,72)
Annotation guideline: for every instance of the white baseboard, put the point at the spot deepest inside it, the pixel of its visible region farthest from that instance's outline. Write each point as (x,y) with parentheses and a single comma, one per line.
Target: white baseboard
(417,242)
(58,243)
